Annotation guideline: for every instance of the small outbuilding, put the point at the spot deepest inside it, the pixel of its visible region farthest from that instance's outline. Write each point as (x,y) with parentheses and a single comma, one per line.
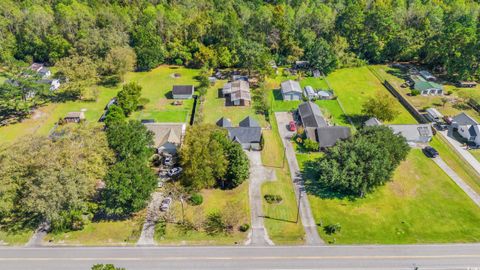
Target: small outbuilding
(310,93)
(325,94)
(291,90)
(74,117)
(467,84)
(237,93)
(427,75)
(434,115)
(183,91)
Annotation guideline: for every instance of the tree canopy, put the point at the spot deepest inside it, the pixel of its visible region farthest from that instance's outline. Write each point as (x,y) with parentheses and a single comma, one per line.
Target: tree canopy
(382,106)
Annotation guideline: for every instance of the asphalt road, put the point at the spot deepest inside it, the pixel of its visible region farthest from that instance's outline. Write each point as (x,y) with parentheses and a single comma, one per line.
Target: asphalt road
(425,257)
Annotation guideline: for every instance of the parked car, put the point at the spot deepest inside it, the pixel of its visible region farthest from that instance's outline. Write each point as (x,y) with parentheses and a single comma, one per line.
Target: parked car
(292,126)
(430,152)
(166,204)
(174,171)
(168,161)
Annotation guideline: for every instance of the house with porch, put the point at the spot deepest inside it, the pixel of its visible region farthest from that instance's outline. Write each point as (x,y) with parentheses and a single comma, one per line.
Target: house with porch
(237,93)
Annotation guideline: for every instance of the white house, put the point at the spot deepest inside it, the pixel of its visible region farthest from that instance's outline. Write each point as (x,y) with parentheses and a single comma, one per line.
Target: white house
(467,127)
(310,93)
(291,90)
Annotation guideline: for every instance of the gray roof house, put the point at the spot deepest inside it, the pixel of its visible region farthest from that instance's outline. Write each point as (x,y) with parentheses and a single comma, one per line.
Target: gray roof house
(248,133)
(463,119)
(329,136)
(372,122)
(291,90)
(237,93)
(310,115)
(183,91)
(467,127)
(167,136)
(416,133)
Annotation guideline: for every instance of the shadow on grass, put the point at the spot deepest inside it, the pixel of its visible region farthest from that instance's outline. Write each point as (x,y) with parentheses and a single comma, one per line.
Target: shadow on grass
(312,186)
(398,73)
(357,119)
(277,95)
(279,219)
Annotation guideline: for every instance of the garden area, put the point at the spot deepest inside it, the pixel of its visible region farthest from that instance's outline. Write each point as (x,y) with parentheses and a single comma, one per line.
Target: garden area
(405,210)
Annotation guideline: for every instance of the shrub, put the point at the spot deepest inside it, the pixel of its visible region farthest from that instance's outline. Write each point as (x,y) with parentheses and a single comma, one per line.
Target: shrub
(310,145)
(332,228)
(415,92)
(272,198)
(160,228)
(195,199)
(244,227)
(214,224)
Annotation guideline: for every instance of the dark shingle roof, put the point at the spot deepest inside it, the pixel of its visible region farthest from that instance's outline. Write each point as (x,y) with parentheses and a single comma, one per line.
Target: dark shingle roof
(464,119)
(249,122)
(311,115)
(183,90)
(224,122)
(472,131)
(328,136)
(245,134)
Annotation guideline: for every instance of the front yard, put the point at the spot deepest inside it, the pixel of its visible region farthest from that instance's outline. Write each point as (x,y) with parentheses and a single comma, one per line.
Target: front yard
(14,238)
(421,205)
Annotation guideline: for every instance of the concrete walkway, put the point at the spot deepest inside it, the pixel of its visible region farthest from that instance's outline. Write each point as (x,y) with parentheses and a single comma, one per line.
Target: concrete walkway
(258,175)
(447,134)
(464,186)
(153,214)
(309,225)
(38,235)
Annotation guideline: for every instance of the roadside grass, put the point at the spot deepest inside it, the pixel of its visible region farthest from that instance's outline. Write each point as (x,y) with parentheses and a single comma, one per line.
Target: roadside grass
(353,86)
(476,153)
(214,200)
(454,161)
(280,218)
(157,86)
(421,205)
(103,233)
(14,238)
(397,77)
(214,108)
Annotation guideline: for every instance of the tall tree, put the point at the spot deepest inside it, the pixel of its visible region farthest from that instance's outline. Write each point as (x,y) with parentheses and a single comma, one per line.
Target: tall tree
(128,97)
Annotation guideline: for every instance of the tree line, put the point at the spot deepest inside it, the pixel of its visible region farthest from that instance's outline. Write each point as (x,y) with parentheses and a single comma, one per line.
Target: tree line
(246,34)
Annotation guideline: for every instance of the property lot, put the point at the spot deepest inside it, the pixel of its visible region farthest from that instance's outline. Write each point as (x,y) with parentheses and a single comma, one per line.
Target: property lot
(405,210)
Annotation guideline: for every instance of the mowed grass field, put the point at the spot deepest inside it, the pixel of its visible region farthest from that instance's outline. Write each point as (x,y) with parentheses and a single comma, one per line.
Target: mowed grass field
(103,233)
(280,218)
(214,200)
(214,108)
(421,205)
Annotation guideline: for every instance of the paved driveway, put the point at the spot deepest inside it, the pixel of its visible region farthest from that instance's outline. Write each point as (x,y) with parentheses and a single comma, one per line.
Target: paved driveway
(153,214)
(258,175)
(309,225)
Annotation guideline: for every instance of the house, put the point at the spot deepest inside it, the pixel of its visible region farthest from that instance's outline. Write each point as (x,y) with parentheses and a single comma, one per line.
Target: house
(291,90)
(183,91)
(415,133)
(309,92)
(248,134)
(467,127)
(310,115)
(434,115)
(465,84)
(372,122)
(237,93)
(329,136)
(426,87)
(74,117)
(41,70)
(325,94)
(427,75)
(167,137)
(53,83)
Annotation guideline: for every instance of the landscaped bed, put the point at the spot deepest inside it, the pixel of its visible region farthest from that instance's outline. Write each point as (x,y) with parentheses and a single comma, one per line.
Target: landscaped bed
(421,205)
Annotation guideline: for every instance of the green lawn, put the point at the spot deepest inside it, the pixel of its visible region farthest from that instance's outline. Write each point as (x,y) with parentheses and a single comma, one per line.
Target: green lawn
(14,238)
(280,223)
(103,233)
(353,86)
(397,77)
(214,200)
(214,108)
(476,153)
(405,210)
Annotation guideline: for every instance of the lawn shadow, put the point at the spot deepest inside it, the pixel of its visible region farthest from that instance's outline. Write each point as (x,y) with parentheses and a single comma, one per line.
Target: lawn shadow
(461,106)
(279,219)
(277,95)
(313,187)
(398,73)
(168,95)
(357,119)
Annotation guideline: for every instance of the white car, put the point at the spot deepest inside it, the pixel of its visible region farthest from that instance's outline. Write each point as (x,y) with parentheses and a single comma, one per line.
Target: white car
(174,171)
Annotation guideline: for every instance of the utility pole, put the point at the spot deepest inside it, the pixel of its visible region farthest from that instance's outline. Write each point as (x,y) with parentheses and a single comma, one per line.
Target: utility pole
(299,201)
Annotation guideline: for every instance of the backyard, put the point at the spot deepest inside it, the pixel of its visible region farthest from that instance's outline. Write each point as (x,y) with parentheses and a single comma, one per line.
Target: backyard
(403,211)
(214,201)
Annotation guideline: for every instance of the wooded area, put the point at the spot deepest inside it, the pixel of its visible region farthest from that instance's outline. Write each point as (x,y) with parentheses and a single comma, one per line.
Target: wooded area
(233,33)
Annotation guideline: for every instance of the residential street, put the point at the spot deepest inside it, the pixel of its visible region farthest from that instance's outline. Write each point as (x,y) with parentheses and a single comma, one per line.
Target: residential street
(258,175)
(404,257)
(309,225)
(458,146)
(454,176)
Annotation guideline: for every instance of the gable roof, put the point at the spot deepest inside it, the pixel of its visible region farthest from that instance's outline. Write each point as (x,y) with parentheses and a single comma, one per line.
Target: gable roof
(245,134)
(166,133)
(249,122)
(328,136)
(421,84)
(311,115)
(238,89)
(415,132)
(472,130)
(372,122)
(224,122)
(464,119)
(291,86)
(183,89)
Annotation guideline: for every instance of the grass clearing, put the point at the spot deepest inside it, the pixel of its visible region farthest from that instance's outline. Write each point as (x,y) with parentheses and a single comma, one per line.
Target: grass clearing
(476,153)
(214,200)
(405,210)
(14,238)
(103,233)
